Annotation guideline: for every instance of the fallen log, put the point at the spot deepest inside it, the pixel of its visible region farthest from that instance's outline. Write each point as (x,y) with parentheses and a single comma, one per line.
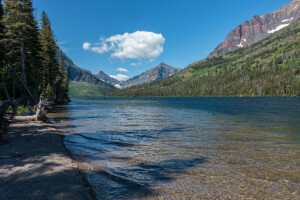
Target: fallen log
(40,115)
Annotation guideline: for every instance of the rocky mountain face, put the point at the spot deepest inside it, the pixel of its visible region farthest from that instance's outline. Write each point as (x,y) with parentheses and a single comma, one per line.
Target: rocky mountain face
(82,75)
(160,72)
(108,79)
(258,28)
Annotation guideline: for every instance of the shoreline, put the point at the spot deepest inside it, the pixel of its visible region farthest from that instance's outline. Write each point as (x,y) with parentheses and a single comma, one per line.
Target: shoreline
(35,164)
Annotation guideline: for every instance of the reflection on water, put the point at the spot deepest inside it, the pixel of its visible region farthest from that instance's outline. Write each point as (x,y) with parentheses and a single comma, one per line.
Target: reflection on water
(186,148)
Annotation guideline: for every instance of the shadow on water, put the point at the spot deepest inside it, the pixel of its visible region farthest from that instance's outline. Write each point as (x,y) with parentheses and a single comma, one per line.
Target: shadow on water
(119,138)
(73,118)
(137,181)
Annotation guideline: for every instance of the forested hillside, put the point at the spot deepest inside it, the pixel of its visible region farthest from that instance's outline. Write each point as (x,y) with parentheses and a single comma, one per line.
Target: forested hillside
(28,56)
(270,67)
(83,82)
(80,89)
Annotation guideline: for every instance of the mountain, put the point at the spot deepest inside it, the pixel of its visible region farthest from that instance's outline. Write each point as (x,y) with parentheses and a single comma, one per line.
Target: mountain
(258,28)
(77,74)
(160,72)
(108,79)
(267,68)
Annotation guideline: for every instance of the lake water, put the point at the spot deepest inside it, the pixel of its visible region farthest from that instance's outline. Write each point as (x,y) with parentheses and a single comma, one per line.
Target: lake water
(186,148)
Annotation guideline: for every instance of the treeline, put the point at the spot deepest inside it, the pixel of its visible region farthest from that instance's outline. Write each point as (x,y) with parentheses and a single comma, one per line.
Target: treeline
(30,63)
(268,68)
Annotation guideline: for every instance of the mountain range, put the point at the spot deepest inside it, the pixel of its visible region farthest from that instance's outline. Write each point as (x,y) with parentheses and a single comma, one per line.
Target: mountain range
(258,28)
(85,84)
(268,67)
(160,72)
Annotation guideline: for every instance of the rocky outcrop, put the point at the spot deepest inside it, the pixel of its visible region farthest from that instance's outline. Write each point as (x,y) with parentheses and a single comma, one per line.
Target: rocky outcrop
(162,71)
(258,28)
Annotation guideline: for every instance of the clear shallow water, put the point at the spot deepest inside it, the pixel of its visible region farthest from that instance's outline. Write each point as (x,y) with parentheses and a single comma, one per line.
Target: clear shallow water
(186,148)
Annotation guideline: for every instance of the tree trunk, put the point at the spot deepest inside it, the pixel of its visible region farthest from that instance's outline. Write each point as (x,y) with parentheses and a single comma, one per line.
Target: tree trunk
(5,88)
(13,85)
(25,86)
(23,58)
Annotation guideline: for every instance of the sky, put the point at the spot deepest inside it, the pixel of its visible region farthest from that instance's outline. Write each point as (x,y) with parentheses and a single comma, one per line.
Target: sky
(124,38)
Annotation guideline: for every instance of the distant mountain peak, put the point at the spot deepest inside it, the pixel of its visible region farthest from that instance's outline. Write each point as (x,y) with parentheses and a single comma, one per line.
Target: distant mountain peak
(258,28)
(106,78)
(162,71)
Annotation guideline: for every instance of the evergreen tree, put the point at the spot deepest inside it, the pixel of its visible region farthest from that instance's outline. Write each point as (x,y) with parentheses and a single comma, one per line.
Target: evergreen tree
(50,65)
(3,86)
(21,41)
(33,46)
(49,93)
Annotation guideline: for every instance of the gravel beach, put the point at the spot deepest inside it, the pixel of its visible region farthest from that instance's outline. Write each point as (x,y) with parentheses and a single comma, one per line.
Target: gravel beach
(34,164)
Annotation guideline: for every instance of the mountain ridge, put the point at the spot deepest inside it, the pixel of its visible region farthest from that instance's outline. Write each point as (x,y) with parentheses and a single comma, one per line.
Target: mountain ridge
(258,28)
(159,72)
(79,75)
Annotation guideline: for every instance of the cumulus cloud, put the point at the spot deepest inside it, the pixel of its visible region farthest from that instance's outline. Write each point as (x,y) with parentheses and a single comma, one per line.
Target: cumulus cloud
(120,77)
(140,44)
(87,46)
(122,70)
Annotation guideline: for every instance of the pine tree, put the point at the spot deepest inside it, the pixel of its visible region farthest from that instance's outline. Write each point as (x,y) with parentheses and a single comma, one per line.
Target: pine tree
(49,93)
(3,86)
(59,89)
(49,53)
(21,41)
(65,82)
(33,45)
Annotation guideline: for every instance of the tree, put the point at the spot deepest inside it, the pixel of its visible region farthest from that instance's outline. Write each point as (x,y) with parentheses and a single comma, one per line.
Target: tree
(3,86)
(49,93)
(21,41)
(49,52)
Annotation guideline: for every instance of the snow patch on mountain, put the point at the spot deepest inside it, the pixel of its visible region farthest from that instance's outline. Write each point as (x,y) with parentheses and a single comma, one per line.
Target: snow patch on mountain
(288,20)
(240,45)
(278,28)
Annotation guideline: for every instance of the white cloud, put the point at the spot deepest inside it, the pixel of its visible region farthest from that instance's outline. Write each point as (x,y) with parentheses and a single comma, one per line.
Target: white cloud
(122,70)
(135,64)
(62,42)
(140,44)
(87,46)
(101,49)
(120,77)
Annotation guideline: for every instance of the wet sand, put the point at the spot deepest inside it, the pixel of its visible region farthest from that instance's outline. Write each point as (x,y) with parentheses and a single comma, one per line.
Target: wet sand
(34,164)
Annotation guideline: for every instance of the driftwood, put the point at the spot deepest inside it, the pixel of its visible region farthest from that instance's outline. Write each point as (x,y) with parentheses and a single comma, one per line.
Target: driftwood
(40,115)
(14,155)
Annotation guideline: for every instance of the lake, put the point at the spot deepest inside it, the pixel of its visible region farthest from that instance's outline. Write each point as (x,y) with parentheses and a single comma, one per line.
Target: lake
(186,148)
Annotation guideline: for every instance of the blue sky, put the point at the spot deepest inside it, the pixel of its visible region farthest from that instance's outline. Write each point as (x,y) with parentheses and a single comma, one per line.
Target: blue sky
(177,32)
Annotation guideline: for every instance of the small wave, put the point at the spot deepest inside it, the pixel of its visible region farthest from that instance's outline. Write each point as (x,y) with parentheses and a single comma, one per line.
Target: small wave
(120,178)
(86,137)
(122,144)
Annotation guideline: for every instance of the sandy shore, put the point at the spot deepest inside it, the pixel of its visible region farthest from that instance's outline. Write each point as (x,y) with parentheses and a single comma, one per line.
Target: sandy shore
(34,164)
